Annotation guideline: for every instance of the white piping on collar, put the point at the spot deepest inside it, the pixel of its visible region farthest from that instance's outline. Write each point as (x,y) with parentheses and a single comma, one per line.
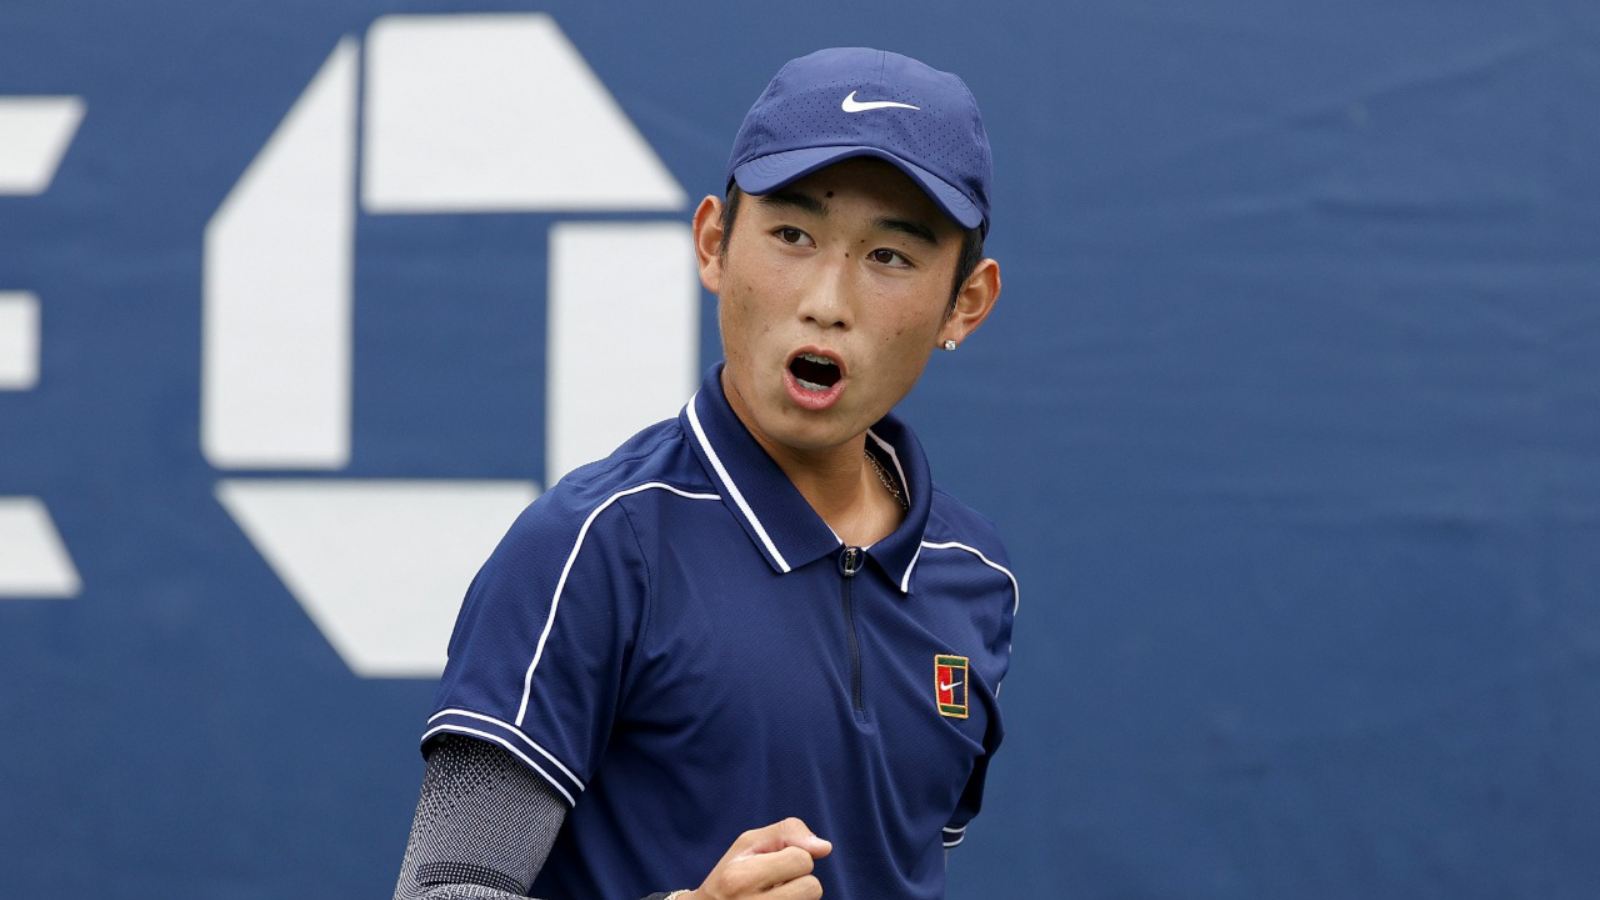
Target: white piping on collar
(905,485)
(905,583)
(894,457)
(733,489)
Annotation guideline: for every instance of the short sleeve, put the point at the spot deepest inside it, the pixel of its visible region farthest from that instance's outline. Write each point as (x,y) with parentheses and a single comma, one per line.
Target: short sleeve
(539,657)
(998,623)
(972,795)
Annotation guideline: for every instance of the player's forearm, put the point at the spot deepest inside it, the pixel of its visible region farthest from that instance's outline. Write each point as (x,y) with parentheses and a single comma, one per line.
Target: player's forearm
(478,892)
(461,892)
(483,827)
(466,891)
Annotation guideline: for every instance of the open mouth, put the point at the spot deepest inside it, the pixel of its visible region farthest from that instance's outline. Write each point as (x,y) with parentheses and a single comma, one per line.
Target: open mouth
(815,372)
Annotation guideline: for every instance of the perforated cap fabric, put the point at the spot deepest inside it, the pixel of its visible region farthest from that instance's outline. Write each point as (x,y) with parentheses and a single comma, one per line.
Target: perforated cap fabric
(846,102)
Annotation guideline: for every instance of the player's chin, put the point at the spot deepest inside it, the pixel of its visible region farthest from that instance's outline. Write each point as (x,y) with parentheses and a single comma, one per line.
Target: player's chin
(809,430)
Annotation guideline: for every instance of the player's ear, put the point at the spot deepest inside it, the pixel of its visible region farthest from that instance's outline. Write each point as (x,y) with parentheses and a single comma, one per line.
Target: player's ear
(708,242)
(973,303)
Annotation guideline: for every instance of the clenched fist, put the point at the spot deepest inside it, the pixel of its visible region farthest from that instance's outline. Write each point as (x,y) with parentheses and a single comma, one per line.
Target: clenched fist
(774,862)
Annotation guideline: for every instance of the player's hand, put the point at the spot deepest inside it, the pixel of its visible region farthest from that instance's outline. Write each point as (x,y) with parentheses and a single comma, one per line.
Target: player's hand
(772,862)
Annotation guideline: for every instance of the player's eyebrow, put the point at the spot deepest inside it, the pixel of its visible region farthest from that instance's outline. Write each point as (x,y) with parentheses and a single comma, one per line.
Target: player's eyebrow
(810,204)
(796,199)
(916,229)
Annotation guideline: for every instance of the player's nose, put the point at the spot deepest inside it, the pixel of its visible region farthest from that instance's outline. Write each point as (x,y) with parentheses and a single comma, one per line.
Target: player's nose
(825,300)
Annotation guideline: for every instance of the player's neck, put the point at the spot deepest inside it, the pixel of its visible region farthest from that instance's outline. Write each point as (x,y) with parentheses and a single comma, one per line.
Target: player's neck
(843,488)
(838,482)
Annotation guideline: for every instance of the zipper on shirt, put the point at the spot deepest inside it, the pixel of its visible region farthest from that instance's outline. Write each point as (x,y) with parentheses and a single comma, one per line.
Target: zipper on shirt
(849,564)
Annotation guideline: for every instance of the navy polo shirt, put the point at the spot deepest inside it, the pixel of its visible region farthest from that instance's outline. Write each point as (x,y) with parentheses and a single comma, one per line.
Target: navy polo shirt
(684,650)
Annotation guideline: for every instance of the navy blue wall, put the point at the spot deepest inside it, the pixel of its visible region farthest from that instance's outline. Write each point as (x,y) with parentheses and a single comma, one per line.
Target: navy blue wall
(1290,412)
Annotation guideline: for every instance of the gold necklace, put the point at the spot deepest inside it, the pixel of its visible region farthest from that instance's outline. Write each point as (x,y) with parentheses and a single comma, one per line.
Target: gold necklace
(888,482)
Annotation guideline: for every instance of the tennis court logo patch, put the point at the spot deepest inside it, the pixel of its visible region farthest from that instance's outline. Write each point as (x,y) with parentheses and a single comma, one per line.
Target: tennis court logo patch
(950,685)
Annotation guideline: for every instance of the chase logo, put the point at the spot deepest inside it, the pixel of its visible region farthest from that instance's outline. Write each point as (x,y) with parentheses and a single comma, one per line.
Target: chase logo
(429,115)
(34,135)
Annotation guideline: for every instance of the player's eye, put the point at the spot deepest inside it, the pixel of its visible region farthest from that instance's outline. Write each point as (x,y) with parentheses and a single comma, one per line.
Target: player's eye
(791,235)
(887,257)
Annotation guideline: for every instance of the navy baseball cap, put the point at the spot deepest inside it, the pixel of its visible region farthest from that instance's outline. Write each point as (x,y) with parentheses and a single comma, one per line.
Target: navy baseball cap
(844,102)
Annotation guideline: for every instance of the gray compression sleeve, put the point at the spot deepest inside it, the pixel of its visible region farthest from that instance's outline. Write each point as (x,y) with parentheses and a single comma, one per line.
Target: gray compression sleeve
(483,828)
(484,825)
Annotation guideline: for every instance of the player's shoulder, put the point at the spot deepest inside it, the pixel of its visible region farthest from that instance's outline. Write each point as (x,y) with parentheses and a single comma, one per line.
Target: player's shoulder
(657,459)
(950,521)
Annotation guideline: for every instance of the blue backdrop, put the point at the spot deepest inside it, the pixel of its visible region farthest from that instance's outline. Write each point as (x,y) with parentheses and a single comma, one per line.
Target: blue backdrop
(1290,412)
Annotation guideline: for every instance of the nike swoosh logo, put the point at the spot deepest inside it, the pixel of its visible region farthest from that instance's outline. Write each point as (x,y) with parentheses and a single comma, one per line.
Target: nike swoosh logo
(851,104)
(950,686)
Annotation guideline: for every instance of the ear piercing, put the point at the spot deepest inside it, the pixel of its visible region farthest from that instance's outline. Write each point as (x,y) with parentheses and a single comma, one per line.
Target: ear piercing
(949,345)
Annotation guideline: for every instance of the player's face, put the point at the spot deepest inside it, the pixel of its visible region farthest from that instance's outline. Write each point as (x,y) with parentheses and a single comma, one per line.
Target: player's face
(834,292)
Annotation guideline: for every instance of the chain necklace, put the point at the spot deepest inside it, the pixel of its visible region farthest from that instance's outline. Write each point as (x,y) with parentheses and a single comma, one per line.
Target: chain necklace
(888,482)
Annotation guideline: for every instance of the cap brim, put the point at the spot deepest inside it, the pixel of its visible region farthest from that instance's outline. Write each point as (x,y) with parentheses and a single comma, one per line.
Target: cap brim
(768,173)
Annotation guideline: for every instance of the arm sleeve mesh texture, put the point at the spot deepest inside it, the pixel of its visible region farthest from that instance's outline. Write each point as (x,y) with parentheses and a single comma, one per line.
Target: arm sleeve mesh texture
(483,827)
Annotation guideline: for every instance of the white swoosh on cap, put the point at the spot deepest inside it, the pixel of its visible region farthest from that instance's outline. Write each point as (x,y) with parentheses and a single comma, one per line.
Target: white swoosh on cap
(851,104)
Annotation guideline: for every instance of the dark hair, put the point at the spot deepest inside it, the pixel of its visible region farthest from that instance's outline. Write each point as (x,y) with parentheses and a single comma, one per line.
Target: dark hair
(971,244)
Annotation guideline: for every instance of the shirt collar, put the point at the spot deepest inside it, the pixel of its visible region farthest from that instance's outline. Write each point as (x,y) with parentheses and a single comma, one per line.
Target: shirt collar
(779,521)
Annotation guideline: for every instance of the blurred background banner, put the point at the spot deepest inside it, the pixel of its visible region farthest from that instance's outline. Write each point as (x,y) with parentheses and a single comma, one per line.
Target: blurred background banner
(1290,413)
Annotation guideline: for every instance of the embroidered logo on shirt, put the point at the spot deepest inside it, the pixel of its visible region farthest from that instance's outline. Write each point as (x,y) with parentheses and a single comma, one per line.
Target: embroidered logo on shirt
(950,685)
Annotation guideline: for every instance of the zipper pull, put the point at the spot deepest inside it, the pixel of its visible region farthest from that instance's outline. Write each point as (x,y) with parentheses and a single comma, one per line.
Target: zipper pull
(850,562)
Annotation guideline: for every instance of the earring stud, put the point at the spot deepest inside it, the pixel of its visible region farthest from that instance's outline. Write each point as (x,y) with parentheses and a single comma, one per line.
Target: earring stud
(949,345)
